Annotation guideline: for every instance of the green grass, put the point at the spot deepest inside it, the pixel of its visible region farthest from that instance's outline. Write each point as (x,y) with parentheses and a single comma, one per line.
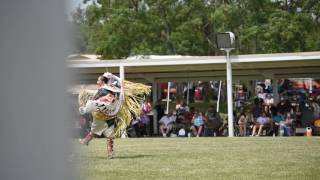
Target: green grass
(202,158)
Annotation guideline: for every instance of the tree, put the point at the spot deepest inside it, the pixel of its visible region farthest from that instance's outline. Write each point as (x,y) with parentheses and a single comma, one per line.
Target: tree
(121,28)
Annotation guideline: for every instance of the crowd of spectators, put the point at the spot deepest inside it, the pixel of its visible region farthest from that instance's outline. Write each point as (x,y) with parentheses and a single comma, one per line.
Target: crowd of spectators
(295,109)
(259,115)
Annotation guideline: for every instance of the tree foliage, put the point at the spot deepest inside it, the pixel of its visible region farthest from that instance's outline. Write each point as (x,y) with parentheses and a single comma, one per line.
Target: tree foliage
(121,28)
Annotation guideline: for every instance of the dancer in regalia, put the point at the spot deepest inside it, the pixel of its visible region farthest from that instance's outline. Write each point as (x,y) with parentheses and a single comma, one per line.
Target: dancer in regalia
(113,107)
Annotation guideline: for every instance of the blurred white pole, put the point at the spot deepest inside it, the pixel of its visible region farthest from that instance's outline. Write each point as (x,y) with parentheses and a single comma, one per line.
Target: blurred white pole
(168,97)
(121,72)
(219,93)
(229,92)
(38,115)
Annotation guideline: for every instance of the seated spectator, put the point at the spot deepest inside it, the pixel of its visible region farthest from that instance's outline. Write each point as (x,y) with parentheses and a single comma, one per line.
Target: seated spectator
(284,106)
(190,114)
(182,109)
(183,120)
(257,109)
(178,104)
(167,123)
(140,124)
(212,122)
(242,124)
(268,102)
(307,114)
(261,122)
(287,124)
(197,123)
(185,117)
(182,123)
(296,115)
(147,107)
(277,121)
(159,107)
(316,108)
(240,97)
(268,87)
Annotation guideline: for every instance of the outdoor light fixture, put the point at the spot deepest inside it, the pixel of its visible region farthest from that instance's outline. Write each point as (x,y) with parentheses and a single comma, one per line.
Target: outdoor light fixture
(225,42)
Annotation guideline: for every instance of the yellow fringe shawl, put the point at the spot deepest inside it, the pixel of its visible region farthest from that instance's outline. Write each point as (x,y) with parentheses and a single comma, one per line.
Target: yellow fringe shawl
(130,108)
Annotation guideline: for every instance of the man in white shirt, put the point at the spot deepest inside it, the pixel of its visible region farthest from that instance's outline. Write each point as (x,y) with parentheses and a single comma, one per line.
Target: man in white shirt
(166,123)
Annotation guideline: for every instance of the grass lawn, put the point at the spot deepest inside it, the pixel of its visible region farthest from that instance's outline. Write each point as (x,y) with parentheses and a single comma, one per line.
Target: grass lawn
(202,158)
